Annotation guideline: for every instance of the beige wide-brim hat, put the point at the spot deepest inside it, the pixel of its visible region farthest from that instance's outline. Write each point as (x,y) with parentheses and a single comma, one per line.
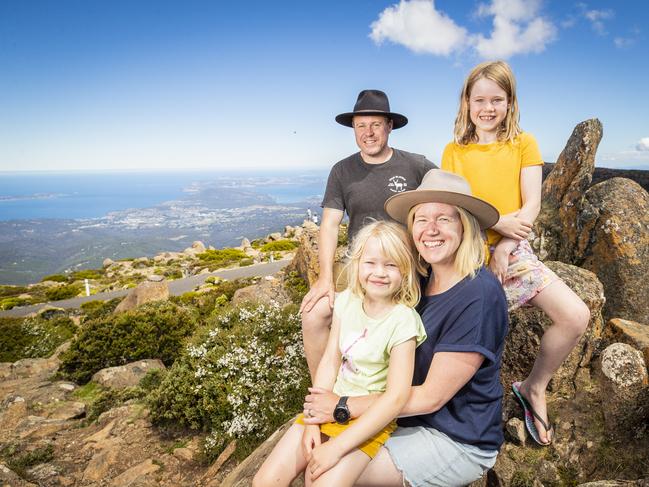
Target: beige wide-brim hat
(440,186)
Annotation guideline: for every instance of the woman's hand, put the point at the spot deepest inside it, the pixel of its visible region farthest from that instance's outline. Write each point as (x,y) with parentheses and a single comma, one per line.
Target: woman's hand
(513,226)
(323,457)
(310,439)
(319,406)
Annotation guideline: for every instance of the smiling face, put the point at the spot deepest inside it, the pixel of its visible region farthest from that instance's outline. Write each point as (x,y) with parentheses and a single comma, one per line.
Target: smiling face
(437,232)
(488,106)
(379,275)
(371,133)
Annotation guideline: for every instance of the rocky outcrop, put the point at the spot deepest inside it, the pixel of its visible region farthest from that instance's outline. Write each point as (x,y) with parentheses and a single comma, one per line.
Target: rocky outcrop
(614,244)
(631,333)
(604,229)
(268,290)
(563,190)
(128,375)
(144,293)
(623,376)
(528,324)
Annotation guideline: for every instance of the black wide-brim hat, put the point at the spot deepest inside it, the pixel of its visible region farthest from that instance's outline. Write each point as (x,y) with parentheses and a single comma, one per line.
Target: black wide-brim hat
(372,102)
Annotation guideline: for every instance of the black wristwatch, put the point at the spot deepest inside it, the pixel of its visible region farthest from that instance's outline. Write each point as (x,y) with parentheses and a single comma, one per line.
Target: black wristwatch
(341,412)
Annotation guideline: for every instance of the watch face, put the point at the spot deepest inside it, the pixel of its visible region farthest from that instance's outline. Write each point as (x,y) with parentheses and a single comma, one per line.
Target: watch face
(341,415)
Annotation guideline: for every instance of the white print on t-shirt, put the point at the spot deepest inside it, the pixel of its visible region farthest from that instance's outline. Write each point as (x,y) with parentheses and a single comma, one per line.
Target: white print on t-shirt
(397,184)
(348,366)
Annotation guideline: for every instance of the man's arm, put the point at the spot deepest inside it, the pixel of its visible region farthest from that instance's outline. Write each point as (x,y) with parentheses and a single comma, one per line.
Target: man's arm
(327,243)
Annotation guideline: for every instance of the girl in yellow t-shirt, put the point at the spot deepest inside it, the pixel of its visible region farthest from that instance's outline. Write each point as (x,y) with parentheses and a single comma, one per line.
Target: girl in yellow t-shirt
(371,349)
(503,166)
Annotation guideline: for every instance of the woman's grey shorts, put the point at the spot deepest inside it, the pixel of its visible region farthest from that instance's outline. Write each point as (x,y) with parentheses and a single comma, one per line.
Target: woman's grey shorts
(428,457)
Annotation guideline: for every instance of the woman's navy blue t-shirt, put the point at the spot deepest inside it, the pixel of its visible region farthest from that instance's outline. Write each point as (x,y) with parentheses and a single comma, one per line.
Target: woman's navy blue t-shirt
(469,317)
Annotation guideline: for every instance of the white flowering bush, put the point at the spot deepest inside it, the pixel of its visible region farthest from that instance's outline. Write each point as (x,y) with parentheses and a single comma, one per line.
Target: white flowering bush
(33,337)
(243,375)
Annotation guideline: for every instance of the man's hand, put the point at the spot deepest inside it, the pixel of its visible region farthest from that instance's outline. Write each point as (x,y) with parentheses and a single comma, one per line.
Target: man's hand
(513,226)
(321,288)
(323,457)
(310,439)
(319,404)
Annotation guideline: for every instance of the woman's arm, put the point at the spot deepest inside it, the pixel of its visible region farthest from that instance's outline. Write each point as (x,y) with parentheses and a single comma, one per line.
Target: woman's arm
(448,373)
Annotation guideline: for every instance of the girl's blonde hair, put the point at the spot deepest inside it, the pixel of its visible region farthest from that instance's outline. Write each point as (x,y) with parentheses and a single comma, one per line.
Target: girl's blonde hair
(470,255)
(500,73)
(395,245)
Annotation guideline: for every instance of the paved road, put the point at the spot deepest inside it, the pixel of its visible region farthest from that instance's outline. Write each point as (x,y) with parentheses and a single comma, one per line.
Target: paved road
(176,287)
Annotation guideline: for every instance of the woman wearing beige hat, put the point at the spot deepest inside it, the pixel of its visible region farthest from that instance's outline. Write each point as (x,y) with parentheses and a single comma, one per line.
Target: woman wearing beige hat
(450,429)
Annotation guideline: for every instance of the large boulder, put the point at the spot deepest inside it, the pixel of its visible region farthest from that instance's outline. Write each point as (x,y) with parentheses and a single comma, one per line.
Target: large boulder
(528,324)
(563,190)
(631,333)
(623,377)
(268,290)
(143,293)
(614,244)
(128,375)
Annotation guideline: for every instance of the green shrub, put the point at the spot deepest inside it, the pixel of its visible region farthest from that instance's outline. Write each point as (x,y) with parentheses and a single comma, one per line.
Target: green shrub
(55,278)
(279,245)
(155,330)
(257,243)
(19,462)
(242,377)
(296,286)
(33,337)
(63,292)
(7,291)
(98,308)
(217,297)
(246,262)
(219,258)
(8,303)
(87,274)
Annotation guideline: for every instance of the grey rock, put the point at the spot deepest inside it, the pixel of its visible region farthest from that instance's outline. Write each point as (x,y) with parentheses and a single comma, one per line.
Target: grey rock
(126,375)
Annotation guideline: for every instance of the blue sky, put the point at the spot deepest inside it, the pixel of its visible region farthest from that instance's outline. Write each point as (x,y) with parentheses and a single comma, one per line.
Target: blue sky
(90,85)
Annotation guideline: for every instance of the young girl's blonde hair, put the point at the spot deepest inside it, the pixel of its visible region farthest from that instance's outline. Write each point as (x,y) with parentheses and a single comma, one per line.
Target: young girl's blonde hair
(500,73)
(395,245)
(470,254)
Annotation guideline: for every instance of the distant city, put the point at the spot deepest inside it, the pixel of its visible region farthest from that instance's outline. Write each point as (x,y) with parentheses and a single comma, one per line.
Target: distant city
(218,212)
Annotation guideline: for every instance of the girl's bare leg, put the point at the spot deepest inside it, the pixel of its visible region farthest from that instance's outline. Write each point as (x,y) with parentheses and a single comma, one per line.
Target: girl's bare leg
(570,317)
(380,472)
(285,462)
(343,474)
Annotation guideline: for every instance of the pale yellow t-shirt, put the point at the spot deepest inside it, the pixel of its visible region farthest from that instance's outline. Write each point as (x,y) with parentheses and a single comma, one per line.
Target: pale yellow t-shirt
(494,171)
(365,343)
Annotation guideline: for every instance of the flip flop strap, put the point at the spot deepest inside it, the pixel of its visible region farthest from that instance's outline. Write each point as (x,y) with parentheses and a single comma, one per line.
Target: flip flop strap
(545,425)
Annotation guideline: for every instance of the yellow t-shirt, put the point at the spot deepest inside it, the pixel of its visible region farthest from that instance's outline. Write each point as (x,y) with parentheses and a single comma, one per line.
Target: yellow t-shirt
(494,171)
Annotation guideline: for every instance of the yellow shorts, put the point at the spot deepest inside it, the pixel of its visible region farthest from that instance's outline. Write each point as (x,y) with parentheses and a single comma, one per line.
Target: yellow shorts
(370,446)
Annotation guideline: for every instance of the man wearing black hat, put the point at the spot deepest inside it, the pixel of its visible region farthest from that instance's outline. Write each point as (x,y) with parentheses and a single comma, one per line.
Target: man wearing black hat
(359,185)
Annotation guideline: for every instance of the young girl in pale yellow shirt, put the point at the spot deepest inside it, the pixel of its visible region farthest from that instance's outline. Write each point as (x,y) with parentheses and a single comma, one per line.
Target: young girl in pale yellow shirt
(371,349)
(503,166)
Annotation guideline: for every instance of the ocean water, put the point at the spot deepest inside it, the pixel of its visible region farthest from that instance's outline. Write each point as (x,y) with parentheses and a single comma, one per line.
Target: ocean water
(30,195)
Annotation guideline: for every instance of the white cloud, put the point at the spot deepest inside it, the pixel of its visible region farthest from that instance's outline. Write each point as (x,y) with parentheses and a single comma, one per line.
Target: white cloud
(623,42)
(597,18)
(643,144)
(418,25)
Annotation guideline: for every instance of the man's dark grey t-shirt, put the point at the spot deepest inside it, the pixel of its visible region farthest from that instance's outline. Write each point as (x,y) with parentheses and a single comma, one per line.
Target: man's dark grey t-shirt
(361,189)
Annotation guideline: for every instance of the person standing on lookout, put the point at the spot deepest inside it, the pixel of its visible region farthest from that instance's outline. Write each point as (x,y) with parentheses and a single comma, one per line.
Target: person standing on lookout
(359,185)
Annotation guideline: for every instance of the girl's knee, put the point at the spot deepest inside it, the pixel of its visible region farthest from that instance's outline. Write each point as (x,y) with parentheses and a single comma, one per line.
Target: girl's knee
(577,317)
